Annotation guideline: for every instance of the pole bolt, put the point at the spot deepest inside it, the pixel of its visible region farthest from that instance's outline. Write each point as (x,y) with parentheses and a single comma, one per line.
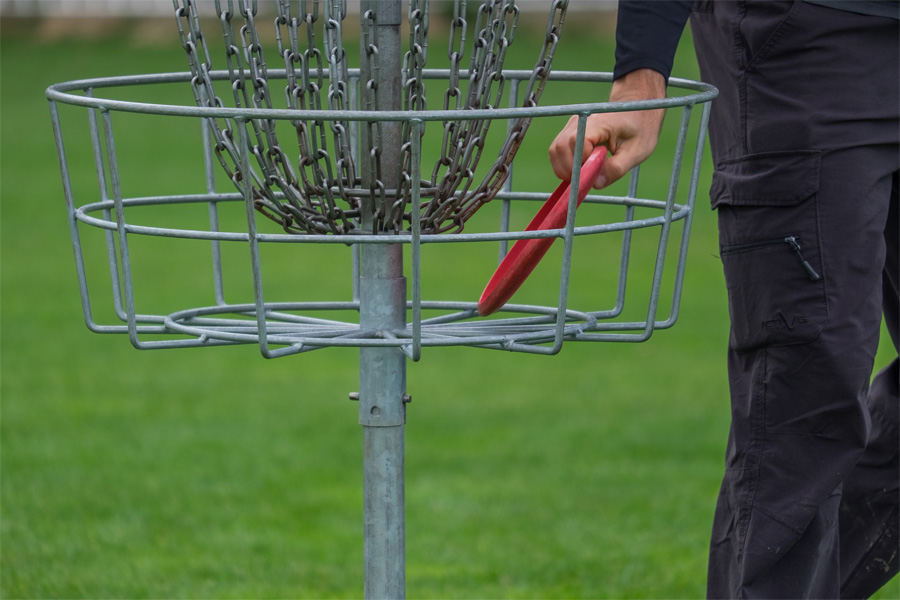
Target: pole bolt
(355,397)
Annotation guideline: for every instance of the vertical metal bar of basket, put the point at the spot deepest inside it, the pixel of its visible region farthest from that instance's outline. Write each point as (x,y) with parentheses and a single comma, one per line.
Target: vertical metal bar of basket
(382,308)
(626,242)
(417,130)
(246,185)
(686,232)
(569,239)
(650,323)
(354,154)
(113,164)
(566,268)
(507,185)
(206,128)
(97,147)
(240,126)
(72,220)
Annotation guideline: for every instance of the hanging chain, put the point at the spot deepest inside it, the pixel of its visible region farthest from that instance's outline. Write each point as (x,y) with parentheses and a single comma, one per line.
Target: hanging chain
(413,84)
(304,203)
(372,147)
(492,43)
(320,192)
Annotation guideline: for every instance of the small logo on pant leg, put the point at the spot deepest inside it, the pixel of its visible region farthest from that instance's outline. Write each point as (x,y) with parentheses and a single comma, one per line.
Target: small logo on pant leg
(782,322)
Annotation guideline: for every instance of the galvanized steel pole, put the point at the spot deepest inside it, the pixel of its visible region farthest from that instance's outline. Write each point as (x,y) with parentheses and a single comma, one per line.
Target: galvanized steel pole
(382,295)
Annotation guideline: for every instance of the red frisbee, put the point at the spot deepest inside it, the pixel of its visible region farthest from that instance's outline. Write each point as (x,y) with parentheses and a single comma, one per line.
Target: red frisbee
(519,262)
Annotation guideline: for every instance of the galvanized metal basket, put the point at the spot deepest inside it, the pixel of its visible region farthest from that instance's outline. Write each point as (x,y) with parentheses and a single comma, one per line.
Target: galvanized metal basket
(285,328)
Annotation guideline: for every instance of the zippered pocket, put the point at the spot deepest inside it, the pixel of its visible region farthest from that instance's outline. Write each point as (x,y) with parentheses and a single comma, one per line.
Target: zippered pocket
(776,295)
(792,241)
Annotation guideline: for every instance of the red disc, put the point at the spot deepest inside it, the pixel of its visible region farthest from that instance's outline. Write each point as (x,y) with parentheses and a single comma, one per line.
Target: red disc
(524,256)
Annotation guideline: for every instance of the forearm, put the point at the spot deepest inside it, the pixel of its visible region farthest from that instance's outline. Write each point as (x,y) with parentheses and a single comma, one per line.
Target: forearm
(647,34)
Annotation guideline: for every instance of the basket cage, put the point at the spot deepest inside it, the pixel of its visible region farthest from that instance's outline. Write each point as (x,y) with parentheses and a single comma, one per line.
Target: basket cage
(228,249)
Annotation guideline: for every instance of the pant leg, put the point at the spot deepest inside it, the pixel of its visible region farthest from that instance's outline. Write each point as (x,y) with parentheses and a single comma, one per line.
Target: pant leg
(800,359)
(869,511)
(804,137)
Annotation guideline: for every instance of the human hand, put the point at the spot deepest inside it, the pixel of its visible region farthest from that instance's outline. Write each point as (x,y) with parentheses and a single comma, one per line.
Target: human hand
(630,136)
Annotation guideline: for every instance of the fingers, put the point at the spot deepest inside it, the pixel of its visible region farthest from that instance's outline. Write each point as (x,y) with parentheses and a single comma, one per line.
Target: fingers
(562,150)
(597,132)
(630,136)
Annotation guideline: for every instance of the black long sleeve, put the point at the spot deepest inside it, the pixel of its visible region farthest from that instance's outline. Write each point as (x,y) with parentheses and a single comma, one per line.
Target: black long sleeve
(647,34)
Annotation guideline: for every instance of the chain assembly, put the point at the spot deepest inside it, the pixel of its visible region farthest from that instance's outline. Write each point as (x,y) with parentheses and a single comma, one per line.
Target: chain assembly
(319,189)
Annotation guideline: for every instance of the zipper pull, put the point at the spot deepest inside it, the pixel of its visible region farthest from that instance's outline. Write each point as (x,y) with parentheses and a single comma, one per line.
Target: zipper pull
(792,241)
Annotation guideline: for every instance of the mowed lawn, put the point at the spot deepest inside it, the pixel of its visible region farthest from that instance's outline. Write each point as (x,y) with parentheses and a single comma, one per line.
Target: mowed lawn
(214,473)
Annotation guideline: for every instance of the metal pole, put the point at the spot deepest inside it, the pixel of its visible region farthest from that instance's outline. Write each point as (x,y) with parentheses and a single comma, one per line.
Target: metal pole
(382,295)
(382,414)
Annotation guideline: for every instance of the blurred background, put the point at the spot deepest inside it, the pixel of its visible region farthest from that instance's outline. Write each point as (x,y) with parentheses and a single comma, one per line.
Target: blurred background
(216,473)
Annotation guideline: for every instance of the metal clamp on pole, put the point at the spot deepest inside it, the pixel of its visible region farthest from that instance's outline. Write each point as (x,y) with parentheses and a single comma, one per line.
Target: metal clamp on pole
(382,371)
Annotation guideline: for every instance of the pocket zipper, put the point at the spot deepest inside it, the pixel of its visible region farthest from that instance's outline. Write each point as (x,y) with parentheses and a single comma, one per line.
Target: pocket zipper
(789,240)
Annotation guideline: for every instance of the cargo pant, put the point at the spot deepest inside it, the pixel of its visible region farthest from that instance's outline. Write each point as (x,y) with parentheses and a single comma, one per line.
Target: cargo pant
(805,137)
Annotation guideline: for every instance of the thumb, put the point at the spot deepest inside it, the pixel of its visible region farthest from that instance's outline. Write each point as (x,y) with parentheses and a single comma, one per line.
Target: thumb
(617,166)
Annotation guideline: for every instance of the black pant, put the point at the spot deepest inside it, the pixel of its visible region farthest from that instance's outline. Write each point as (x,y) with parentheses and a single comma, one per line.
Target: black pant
(805,138)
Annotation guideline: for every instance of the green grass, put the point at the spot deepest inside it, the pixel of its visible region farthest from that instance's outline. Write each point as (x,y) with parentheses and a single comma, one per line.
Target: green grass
(217,474)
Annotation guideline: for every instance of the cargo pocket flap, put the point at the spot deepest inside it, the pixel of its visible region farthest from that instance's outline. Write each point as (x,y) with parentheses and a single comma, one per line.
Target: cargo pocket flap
(766,179)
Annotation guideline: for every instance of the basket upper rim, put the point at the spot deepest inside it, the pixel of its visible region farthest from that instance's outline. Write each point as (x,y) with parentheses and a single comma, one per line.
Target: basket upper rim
(64,93)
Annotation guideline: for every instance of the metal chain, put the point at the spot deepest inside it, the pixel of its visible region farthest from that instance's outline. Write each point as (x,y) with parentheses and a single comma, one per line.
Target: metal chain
(464,140)
(414,100)
(314,161)
(315,207)
(455,215)
(369,41)
(199,62)
(302,94)
(303,197)
(304,204)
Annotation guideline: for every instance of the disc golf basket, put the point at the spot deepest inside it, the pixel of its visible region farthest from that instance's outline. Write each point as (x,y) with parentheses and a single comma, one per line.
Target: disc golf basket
(338,156)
